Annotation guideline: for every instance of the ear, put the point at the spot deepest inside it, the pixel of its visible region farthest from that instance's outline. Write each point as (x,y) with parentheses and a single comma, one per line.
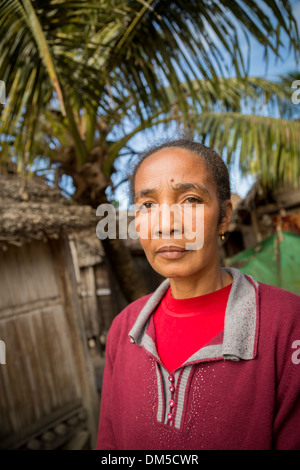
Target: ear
(223,227)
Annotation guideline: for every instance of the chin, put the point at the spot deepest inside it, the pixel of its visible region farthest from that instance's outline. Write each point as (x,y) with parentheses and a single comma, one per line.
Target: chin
(172,272)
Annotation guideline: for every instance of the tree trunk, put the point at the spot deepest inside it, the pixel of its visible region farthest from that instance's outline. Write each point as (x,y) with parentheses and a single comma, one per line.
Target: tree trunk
(130,279)
(91,183)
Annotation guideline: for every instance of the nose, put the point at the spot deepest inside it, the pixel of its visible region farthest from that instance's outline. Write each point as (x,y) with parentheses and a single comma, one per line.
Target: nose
(165,222)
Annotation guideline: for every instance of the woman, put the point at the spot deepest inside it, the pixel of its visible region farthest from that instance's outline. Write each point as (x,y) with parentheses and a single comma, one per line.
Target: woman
(205,362)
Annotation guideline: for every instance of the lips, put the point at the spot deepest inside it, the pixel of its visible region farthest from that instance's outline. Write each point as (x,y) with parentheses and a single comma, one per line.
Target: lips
(171,252)
(171,248)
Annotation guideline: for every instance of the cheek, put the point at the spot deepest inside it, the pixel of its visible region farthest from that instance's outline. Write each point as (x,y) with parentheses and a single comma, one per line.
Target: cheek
(149,252)
(143,226)
(193,226)
(211,225)
(142,230)
(145,244)
(201,224)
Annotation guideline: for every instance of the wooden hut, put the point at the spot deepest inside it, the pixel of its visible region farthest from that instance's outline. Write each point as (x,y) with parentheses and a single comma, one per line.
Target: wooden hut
(48,394)
(264,237)
(259,215)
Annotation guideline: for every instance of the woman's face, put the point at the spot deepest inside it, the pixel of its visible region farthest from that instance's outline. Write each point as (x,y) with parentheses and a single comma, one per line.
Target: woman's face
(178,179)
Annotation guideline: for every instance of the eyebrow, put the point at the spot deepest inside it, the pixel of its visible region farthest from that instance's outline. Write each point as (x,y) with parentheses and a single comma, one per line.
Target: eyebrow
(187,186)
(176,187)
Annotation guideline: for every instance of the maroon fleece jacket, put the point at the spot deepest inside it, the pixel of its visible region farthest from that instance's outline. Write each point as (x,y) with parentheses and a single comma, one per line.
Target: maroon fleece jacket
(240,391)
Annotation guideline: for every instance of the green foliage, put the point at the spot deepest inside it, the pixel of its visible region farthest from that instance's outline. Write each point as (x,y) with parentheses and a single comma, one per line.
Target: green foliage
(76,70)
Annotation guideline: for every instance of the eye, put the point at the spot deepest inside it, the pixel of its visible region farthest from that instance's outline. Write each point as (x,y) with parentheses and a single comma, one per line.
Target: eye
(145,206)
(193,200)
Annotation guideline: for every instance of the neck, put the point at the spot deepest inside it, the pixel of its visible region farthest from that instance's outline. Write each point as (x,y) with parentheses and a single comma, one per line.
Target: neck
(203,282)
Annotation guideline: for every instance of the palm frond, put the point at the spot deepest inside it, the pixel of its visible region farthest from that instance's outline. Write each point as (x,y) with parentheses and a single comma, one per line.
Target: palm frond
(188,41)
(266,147)
(139,58)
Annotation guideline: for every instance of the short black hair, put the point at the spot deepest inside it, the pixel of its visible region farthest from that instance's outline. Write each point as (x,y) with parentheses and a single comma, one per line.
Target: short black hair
(214,163)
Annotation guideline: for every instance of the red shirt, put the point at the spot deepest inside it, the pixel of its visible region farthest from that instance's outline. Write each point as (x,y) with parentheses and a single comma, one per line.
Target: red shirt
(183,326)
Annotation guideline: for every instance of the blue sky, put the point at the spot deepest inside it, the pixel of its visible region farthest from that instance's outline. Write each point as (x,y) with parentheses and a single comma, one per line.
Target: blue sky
(286,65)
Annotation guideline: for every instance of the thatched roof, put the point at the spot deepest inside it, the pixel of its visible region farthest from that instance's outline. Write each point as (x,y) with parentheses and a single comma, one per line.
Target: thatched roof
(285,198)
(32,210)
(260,214)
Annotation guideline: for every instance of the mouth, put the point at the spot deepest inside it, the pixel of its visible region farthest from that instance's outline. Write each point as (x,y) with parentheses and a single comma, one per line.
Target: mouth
(171,252)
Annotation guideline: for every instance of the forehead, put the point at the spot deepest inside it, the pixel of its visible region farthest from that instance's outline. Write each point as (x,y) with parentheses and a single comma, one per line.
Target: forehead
(174,163)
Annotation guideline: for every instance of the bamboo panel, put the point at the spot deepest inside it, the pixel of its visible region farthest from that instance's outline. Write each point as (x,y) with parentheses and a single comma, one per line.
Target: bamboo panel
(106,311)
(89,301)
(26,275)
(39,375)
(102,276)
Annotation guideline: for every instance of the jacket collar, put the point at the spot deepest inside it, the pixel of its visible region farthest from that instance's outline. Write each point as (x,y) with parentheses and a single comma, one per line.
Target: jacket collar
(241,321)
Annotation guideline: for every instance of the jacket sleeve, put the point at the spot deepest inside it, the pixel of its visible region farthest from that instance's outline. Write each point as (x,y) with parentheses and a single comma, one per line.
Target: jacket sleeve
(287,419)
(106,438)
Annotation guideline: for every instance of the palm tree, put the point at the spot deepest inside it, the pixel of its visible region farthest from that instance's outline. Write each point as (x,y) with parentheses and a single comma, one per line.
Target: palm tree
(75,72)
(268,147)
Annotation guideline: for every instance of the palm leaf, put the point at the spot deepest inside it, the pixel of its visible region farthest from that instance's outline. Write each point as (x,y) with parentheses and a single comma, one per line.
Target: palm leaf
(268,148)
(88,56)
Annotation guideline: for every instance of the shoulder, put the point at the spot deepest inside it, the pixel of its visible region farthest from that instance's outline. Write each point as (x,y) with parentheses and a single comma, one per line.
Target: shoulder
(279,315)
(130,320)
(280,333)
(118,334)
(127,317)
(278,299)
